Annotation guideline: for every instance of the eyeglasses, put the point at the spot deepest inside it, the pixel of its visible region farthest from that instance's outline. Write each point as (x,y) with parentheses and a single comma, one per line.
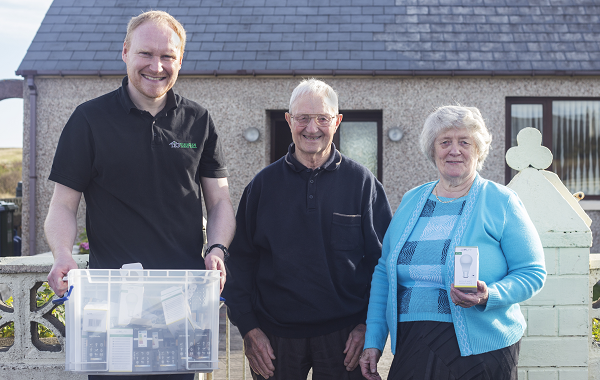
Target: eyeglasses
(321,120)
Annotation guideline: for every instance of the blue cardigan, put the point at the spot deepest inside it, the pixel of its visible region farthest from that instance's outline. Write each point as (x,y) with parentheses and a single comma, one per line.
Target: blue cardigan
(511,264)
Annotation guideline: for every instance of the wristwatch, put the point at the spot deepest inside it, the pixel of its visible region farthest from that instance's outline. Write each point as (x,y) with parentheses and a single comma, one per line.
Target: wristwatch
(222,247)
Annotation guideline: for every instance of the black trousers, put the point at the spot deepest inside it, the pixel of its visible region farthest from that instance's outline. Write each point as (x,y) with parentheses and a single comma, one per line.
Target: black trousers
(182,376)
(428,350)
(324,354)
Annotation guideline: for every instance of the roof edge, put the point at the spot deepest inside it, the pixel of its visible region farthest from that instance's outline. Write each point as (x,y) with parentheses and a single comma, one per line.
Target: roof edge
(374,73)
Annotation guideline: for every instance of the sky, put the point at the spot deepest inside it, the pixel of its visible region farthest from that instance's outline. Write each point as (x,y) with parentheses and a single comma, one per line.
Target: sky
(20,20)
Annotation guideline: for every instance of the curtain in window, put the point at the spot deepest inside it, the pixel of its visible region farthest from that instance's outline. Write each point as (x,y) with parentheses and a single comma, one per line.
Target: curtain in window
(525,116)
(575,143)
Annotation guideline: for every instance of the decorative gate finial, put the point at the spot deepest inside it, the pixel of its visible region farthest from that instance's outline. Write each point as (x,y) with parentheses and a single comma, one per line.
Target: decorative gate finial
(529,152)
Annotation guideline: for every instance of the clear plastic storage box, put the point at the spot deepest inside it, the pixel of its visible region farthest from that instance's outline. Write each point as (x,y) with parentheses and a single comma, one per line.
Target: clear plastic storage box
(142,321)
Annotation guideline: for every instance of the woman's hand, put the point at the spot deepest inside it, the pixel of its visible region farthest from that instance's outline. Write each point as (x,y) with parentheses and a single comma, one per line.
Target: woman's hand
(368,363)
(468,300)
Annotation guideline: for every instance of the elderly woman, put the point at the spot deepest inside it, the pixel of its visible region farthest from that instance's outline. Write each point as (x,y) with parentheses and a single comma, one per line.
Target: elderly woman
(437,331)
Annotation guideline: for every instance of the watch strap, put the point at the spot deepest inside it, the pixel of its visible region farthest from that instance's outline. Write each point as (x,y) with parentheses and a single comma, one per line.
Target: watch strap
(222,248)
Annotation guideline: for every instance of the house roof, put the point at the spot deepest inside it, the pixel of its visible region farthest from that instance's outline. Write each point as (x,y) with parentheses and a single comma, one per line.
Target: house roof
(373,37)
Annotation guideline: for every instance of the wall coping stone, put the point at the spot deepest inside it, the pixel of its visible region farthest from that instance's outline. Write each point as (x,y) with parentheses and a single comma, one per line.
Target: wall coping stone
(38,263)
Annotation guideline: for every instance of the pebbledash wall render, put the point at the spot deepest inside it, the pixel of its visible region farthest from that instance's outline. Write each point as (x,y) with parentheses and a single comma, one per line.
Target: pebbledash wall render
(239,102)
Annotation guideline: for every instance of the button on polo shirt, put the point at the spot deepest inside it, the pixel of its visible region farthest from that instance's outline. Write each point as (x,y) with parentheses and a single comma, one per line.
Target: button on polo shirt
(140,178)
(311,175)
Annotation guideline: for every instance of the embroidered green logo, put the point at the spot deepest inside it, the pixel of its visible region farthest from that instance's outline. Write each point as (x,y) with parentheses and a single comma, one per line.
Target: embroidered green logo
(176,144)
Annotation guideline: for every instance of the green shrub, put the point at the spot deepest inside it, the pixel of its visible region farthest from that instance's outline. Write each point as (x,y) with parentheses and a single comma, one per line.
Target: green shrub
(8,330)
(44,295)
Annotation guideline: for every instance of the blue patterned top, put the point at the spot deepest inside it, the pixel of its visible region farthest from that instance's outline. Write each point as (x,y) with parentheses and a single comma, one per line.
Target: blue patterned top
(422,294)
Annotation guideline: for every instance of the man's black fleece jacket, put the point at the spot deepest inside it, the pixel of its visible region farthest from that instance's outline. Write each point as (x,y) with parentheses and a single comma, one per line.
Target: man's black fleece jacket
(306,245)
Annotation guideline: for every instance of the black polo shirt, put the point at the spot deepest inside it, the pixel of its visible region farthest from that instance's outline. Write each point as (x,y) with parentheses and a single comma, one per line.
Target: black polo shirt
(140,176)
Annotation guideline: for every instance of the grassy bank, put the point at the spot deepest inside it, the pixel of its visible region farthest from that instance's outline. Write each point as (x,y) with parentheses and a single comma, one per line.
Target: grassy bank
(10,170)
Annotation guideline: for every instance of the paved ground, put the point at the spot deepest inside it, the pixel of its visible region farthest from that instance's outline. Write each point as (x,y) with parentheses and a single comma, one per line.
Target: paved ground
(237,360)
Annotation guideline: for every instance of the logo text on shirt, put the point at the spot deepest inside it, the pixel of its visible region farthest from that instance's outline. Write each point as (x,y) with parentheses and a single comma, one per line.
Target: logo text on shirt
(176,144)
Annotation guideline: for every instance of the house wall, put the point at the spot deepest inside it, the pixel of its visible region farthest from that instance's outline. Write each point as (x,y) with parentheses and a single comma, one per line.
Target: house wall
(237,103)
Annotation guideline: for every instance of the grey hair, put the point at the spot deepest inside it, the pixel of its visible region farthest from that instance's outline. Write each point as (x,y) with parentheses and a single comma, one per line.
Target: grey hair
(314,86)
(456,117)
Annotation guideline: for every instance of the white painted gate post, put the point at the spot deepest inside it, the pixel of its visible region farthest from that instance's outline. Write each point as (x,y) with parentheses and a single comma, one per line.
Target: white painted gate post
(555,345)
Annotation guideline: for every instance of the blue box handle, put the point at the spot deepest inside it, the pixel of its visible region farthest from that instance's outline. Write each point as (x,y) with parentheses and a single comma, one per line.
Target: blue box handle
(65,297)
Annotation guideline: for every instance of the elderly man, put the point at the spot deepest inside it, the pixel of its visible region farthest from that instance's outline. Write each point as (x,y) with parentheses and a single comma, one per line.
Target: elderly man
(309,235)
(142,156)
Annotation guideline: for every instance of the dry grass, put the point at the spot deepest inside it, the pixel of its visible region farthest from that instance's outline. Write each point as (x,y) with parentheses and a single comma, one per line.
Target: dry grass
(10,170)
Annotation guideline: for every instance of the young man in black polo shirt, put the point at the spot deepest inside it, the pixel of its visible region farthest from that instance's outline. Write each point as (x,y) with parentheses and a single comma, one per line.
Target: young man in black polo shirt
(142,156)
(310,228)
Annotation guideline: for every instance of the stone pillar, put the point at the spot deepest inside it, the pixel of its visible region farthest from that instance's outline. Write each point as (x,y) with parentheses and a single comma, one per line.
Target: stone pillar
(594,352)
(555,345)
(29,357)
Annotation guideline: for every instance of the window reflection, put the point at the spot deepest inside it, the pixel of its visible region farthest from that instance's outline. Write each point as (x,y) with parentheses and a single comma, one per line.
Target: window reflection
(358,140)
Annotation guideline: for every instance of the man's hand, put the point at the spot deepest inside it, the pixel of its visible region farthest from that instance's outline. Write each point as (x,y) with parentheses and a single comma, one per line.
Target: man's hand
(354,346)
(62,265)
(259,352)
(368,363)
(214,261)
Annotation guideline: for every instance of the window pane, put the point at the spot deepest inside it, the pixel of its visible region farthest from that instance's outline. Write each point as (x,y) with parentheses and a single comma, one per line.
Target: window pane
(358,140)
(525,116)
(575,137)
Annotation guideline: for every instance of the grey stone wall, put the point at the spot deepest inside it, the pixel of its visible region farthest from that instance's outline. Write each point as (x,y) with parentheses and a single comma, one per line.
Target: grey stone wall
(237,103)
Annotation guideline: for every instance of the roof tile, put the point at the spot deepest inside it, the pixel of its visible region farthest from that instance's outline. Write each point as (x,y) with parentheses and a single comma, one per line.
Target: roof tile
(254,65)
(113,65)
(90,65)
(373,65)
(221,55)
(384,19)
(61,27)
(243,56)
(280,46)
(372,28)
(207,65)
(230,65)
(250,37)
(337,55)
(292,37)
(349,65)
(235,46)
(289,55)
(226,36)
(397,65)
(258,46)
(303,64)
(278,65)
(270,37)
(83,55)
(243,11)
